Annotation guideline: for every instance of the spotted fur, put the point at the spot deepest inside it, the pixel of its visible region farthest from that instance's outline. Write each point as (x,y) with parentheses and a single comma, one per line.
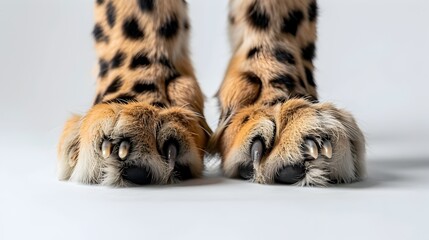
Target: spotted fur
(148,96)
(269,94)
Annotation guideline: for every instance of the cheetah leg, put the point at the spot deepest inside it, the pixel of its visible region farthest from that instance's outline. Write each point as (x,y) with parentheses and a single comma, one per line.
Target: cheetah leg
(272,128)
(147,124)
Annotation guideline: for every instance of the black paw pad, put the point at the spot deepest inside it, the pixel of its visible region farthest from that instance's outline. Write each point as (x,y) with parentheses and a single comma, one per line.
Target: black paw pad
(290,174)
(182,172)
(245,171)
(137,175)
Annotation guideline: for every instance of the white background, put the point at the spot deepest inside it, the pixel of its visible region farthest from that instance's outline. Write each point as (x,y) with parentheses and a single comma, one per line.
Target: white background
(372,60)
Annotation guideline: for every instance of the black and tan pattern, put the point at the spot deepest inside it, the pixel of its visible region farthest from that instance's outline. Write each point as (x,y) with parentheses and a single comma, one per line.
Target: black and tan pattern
(272,128)
(147,124)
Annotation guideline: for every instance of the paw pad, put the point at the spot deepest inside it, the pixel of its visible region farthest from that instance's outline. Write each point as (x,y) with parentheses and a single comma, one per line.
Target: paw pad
(290,174)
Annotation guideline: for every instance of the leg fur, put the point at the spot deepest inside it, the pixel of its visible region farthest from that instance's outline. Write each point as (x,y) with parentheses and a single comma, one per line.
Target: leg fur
(147,117)
(272,126)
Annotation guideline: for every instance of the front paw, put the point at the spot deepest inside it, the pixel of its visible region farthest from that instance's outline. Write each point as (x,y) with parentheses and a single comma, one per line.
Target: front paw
(135,144)
(296,142)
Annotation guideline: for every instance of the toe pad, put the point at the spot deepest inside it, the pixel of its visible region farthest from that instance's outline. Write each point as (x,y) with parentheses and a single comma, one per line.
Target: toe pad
(290,174)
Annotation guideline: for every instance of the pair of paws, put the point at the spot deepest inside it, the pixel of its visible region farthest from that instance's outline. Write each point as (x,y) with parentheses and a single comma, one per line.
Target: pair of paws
(296,142)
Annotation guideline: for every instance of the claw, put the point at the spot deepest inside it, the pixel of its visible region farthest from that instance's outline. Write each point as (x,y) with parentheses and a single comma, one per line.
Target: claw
(326,149)
(123,150)
(106,148)
(310,150)
(171,154)
(246,170)
(256,151)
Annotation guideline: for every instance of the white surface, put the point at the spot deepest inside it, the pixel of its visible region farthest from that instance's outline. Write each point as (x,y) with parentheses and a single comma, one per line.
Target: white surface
(372,60)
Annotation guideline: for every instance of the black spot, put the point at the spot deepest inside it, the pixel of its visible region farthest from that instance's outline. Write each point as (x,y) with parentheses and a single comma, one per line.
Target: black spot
(277,101)
(98,34)
(158,104)
(253,52)
(309,52)
(245,120)
(117,60)
(292,22)
(99,2)
(252,78)
(123,99)
(139,60)
(146,5)
(186,25)
(132,29)
(313,11)
(301,82)
(310,78)
(141,87)
(170,28)
(282,81)
(111,14)
(97,99)
(284,56)
(114,86)
(171,78)
(165,62)
(104,67)
(257,17)
(231,19)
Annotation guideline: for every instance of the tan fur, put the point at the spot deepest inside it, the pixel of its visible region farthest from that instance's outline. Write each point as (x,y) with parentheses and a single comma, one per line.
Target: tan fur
(68,147)
(176,50)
